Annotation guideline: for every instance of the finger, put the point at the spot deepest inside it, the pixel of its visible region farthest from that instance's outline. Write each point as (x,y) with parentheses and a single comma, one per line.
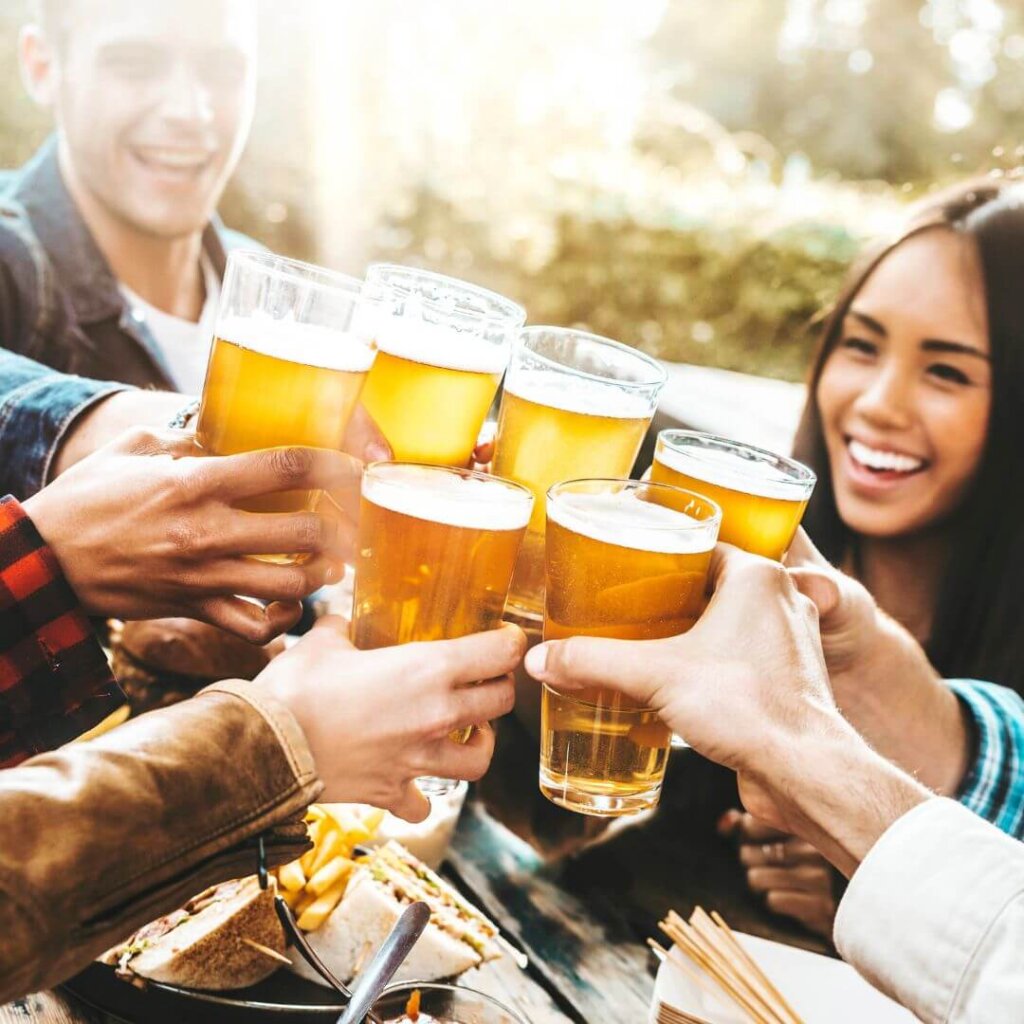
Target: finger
(622,665)
(778,854)
(342,506)
(751,829)
(266,580)
(470,760)
(147,441)
(411,805)
(364,438)
(252,622)
(803,554)
(820,587)
(249,533)
(232,478)
(729,822)
(337,626)
(814,911)
(475,657)
(814,878)
(484,702)
(483,453)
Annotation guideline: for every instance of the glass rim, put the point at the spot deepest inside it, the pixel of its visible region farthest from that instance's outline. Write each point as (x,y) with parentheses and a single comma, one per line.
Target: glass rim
(284,268)
(454,990)
(375,469)
(798,476)
(629,483)
(509,312)
(535,330)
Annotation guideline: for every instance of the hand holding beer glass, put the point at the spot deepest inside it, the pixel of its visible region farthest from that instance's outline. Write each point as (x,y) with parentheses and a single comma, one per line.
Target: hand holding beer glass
(442,348)
(286,366)
(574,405)
(436,551)
(628,560)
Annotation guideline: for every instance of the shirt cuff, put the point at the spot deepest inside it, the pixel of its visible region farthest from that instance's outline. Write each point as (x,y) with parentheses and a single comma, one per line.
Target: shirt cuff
(922,902)
(55,683)
(993,786)
(34,419)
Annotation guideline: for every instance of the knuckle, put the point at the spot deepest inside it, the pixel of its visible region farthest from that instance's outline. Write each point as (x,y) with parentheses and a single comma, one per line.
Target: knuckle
(291,464)
(183,537)
(295,583)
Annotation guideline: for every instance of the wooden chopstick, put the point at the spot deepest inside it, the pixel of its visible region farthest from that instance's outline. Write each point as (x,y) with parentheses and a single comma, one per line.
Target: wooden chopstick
(712,946)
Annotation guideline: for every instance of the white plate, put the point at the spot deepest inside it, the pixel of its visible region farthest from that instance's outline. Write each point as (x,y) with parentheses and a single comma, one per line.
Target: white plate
(820,989)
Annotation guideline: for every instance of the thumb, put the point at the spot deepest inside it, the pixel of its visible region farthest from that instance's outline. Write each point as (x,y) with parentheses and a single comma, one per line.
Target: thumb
(337,626)
(626,666)
(364,438)
(411,805)
(803,554)
(820,587)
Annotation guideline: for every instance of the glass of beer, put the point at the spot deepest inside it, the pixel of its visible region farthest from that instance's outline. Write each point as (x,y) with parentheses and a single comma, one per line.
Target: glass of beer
(762,495)
(574,405)
(286,366)
(436,551)
(442,348)
(629,560)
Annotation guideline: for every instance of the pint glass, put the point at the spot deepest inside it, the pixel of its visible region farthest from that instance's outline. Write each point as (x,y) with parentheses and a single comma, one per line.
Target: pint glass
(442,348)
(625,559)
(574,405)
(287,363)
(436,551)
(762,495)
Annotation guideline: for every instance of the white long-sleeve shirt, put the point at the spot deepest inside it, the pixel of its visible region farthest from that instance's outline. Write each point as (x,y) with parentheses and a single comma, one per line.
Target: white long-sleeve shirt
(934,916)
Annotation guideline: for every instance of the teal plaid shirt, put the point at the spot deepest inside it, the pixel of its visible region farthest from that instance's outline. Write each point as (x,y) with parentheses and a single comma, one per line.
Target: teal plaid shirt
(994,784)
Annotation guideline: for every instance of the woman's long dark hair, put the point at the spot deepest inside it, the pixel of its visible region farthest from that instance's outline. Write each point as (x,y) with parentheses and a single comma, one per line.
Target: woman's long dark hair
(978,624)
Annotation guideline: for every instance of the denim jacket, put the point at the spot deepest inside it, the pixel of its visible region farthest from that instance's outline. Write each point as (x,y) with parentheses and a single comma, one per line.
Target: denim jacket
(59,300)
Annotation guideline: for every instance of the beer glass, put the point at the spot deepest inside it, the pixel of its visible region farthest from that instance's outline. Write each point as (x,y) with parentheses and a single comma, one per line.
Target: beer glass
(762,495)
(442,349)
(436,551)
(286,366)
(624,559)
(574,405)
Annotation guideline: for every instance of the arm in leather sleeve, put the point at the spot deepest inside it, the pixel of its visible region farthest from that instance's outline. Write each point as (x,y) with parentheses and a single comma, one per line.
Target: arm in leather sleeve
(98,838)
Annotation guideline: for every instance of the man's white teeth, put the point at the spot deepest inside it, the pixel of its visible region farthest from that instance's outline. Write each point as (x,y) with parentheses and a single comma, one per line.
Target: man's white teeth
(176,158)
(875,459)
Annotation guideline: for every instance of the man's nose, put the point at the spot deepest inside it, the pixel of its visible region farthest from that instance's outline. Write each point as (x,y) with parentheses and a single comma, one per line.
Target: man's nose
(186,98)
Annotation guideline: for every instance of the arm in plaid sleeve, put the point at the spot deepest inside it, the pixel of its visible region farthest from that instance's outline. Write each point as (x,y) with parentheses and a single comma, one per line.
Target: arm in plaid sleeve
(55,683)
(994,784)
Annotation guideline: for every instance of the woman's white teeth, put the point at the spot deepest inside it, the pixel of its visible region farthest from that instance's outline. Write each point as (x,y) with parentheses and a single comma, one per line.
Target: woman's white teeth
(875,459)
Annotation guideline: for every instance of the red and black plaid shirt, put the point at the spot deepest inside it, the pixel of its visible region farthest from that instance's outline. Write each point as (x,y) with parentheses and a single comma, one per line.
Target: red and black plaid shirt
(55,682)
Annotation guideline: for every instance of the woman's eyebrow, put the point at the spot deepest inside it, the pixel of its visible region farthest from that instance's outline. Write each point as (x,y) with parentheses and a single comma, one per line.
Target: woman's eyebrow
(958,347)
(869,321)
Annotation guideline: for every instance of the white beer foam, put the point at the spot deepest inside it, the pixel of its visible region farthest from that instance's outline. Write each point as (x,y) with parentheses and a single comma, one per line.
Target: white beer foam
(311,344)
(727,469)
(437,345)
(448,498)
(579,395)
(627,521)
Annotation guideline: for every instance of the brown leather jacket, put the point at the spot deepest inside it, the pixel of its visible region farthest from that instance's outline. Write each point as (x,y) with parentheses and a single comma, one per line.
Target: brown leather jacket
(98,838)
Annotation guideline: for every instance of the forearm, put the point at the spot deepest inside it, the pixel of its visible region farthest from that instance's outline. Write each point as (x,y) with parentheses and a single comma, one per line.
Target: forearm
(901,706)
(839,794)
(108,418)
(98,838)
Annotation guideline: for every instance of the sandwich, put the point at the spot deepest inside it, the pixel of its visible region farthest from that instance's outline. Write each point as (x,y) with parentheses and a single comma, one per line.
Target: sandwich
(225,938)
(457,938)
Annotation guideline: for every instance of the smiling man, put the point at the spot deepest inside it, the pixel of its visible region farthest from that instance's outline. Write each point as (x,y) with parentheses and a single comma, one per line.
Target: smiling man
(111,254)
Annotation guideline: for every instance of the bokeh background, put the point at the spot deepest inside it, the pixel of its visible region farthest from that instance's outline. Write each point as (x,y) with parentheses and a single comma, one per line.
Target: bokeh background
(689,176)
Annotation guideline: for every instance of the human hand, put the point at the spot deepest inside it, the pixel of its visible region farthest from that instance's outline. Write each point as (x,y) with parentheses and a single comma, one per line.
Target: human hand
(794,878)
(377,720)
(748,688)
(145,528)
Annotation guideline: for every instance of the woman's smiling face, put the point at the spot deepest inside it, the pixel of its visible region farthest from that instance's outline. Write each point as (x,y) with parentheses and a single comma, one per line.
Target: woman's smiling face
(904,397)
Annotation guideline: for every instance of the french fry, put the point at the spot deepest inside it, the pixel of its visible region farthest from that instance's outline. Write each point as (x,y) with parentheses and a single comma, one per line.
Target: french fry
(306,860)
(313,916)
(373,820)
(332,872)
(305,901)
(331,845)
(292,898)
(291,877)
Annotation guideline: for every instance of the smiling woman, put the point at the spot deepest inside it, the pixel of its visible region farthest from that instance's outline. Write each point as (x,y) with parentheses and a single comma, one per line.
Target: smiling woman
(916,429)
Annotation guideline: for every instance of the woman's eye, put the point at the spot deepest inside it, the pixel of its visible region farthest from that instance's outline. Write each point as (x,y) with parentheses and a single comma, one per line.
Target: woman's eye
(945,372)
(861,346)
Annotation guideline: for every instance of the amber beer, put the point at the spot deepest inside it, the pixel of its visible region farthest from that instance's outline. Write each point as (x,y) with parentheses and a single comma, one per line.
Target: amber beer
(286,366)
(621,562)
(442,348)
(574,405)
(762,495)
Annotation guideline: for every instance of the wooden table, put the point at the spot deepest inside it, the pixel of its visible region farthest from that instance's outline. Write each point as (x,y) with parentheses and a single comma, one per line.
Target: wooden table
(577,896)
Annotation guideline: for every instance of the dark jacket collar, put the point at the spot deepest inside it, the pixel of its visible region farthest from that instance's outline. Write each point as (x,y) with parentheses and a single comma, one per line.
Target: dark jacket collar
(81,269)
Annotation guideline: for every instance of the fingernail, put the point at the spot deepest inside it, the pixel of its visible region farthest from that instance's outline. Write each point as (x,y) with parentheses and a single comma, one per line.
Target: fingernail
(377,452)
(727,822)
(537,660)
